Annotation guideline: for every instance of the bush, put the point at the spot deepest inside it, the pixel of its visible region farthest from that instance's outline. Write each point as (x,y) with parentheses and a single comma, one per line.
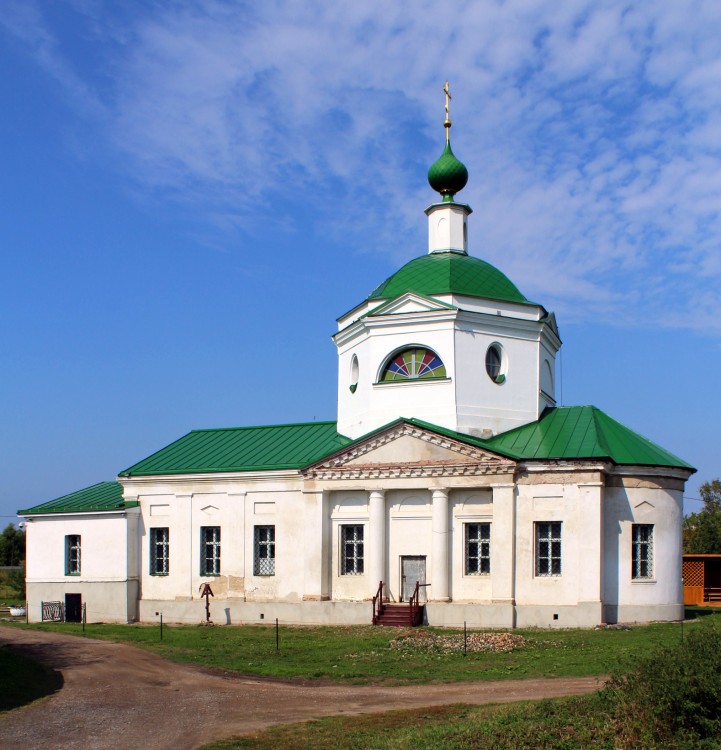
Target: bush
(673,698)
(15,579)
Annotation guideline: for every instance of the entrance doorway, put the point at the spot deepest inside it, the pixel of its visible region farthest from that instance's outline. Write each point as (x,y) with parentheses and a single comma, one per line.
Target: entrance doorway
(73,608)
(413,568)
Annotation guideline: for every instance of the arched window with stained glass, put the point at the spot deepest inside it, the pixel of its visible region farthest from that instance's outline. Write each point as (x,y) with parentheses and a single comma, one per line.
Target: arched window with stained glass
(417,363)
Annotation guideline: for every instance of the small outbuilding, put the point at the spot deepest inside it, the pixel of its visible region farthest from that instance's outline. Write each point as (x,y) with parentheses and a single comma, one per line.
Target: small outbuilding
(702,579)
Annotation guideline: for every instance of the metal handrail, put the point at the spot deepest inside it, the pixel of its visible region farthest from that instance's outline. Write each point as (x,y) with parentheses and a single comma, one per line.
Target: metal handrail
(378,605)
(414,605)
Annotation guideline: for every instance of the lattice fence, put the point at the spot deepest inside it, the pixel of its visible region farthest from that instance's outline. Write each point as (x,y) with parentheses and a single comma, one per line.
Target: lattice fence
(693,573)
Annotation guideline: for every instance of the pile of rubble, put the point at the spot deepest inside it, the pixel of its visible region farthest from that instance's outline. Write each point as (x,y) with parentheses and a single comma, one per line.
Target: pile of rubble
(428,642)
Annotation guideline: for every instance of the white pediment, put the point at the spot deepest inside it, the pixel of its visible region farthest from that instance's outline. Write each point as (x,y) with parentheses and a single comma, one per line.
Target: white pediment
(411,303)
(405,449)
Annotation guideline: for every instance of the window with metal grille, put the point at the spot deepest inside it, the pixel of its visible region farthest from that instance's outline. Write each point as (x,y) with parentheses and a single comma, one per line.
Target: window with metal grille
(548,549)
(210,550)
(478,549)
(72,555)
(159,552)
(642,551)
(264,551)
(351,543)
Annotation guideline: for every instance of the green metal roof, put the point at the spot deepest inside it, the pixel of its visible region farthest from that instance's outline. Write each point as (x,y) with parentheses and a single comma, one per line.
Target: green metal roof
(265,448)
(99,497)
(566,432)
(450,273)
(575,432)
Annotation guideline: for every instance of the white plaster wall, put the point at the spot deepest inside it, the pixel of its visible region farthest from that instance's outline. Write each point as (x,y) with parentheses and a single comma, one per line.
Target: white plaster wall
(104,551)
(624,597)
(236,506)
(547,368)
(482,403)
(447,228)
(106,582)
(409,533)
(470,400)
(286,512)
(549,502)
(374,405)
(470,506)
(105,601)
(349,508)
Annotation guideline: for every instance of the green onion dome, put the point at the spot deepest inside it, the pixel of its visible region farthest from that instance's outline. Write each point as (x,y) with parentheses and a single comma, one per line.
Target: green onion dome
(448,176)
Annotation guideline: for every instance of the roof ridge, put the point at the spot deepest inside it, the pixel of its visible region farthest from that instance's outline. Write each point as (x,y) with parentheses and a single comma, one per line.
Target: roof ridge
(263,426)
(601,436)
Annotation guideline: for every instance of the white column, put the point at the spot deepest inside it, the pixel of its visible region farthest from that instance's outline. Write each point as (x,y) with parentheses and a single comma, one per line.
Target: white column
(377,539)
(440,549)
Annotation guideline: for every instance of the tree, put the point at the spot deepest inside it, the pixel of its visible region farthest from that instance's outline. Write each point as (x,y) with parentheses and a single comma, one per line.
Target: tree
(702,530)
(12,546)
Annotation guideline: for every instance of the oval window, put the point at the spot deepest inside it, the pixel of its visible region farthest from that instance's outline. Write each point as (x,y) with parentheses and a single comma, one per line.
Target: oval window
(353,373)
(494,363)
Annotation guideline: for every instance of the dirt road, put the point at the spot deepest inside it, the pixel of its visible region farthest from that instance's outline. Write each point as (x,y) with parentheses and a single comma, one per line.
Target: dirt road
(117,696)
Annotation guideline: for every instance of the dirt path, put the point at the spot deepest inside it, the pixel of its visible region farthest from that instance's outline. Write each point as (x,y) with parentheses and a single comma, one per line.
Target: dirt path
(118,696)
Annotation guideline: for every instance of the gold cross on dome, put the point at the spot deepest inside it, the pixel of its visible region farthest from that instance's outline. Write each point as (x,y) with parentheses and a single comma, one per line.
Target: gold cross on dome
(447,122)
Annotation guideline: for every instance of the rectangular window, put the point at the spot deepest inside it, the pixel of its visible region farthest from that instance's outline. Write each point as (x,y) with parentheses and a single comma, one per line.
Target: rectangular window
(548,548)
(72,555)
(642,551)
(478,549)
(159,552)
(264,551)
(209,550)
(351,554)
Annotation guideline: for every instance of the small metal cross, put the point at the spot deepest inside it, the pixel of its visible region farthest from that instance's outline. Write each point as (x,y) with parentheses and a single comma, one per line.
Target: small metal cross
(447,121)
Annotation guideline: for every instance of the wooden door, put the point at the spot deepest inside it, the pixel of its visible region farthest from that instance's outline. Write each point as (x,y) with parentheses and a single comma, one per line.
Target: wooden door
(73,608)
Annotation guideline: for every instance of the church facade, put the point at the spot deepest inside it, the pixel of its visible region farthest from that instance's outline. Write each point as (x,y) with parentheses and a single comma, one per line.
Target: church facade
(450,470)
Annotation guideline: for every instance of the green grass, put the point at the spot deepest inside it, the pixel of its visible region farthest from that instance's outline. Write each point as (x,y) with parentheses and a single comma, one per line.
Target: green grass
(361,654)
(23,680)
(559,724)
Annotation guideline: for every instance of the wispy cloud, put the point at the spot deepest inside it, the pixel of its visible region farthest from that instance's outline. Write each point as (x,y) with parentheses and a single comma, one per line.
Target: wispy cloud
(591,130)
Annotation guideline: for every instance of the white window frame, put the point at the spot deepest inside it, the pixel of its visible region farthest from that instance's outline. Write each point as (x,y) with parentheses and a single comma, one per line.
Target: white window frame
(352,549)
(641,552)
(159,551)
(210,550)
(477,561)
(264,550)
(548,549)
(73,547)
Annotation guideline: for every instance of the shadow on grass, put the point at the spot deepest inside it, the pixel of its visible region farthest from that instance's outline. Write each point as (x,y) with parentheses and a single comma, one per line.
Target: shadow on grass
(696,612)
(24,680)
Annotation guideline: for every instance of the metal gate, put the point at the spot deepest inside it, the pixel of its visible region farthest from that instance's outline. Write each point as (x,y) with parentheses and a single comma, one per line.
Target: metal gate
(52,611)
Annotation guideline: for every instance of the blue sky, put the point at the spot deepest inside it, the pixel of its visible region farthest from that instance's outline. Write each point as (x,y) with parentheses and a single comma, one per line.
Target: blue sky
(192,193)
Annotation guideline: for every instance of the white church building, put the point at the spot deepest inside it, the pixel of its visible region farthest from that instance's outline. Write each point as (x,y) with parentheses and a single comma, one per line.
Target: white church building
(450,472)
